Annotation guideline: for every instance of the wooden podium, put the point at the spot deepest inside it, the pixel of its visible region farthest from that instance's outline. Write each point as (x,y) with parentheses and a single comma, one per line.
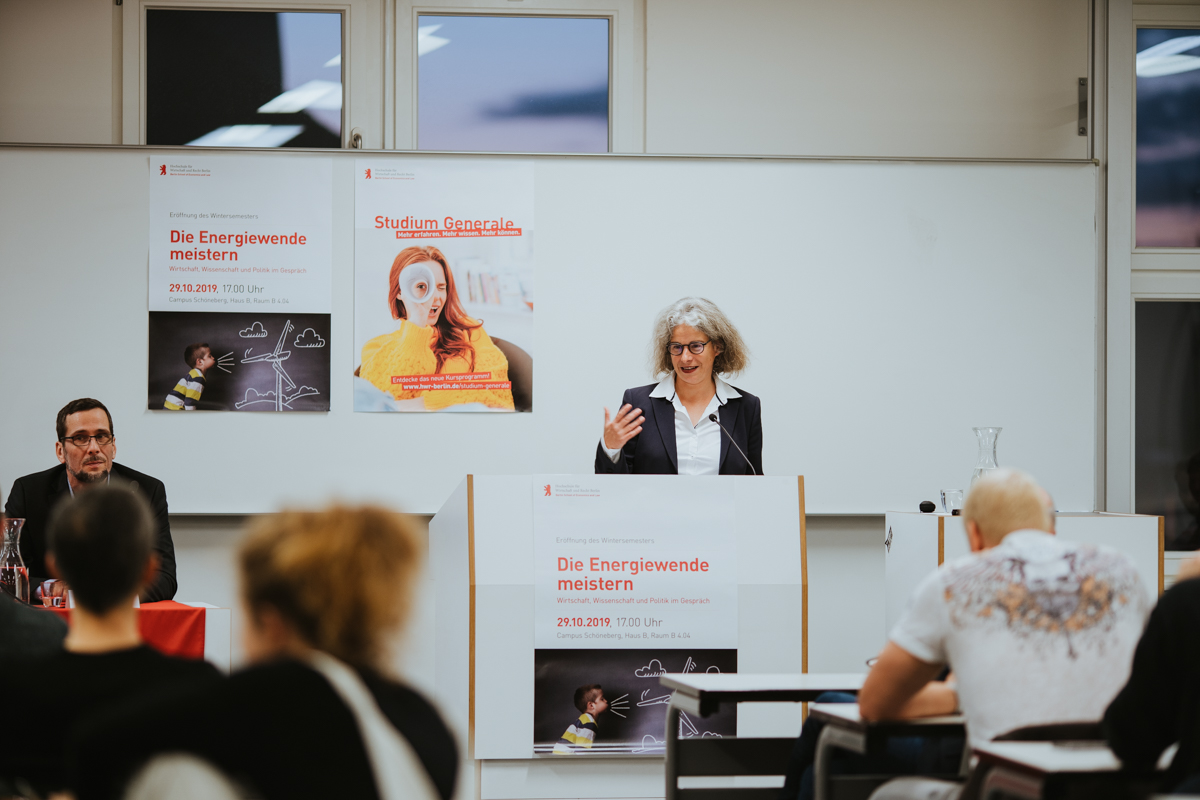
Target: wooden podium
(481,558)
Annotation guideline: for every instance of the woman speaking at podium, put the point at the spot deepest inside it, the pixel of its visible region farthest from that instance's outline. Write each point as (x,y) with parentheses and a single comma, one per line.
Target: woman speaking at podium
(691,422)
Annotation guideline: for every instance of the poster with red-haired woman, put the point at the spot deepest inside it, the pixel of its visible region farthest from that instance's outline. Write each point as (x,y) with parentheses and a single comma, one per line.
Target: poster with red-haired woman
(443,285)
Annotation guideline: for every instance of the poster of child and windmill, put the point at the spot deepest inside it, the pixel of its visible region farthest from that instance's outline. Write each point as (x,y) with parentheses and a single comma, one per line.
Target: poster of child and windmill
(202,361)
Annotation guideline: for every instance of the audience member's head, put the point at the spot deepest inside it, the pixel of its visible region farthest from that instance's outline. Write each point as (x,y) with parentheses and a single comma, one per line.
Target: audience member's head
(1004,501)
(338,580)
(102,544)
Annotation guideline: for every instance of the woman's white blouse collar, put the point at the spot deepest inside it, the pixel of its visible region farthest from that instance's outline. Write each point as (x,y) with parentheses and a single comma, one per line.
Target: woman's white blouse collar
(666,389)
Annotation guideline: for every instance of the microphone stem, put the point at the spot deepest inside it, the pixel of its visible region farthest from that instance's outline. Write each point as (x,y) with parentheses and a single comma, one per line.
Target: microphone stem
(749,463)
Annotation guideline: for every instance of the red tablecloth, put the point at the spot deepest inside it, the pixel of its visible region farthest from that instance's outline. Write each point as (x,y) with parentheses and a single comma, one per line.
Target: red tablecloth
(169,627)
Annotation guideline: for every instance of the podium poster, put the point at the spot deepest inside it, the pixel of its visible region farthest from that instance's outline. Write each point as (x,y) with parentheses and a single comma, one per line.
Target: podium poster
(443,285)
(241,255)
(633,578)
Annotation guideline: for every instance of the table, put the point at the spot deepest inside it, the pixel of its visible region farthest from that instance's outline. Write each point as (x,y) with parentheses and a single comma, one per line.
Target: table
(713,756)
(1045,769)
(183,629)
(845,729)
(702,694)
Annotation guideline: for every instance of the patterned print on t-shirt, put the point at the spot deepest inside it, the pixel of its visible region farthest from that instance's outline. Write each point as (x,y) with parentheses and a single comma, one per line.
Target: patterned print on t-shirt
(1075,599)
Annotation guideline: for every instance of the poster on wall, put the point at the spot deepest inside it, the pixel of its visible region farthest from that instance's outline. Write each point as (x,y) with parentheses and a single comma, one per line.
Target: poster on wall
(443,285)
(615,608)
(241,254)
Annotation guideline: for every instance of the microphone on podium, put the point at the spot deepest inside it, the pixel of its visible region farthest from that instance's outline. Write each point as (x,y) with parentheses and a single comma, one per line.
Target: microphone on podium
(713,418)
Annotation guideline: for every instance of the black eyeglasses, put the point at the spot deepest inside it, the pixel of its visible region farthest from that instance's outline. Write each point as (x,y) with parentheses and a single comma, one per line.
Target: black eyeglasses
(82,440)
(676,349)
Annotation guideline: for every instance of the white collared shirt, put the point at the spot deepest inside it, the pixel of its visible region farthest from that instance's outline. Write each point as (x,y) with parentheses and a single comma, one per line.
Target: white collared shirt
(697,447)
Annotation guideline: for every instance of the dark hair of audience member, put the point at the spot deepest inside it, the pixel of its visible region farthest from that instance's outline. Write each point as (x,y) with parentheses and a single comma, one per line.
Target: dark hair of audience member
(342,577)
(74,407)
(101,541)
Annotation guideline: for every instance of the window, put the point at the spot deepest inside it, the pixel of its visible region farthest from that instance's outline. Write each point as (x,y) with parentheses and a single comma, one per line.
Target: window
(1168,137)
(1167,455)
(513,83)
(243,78)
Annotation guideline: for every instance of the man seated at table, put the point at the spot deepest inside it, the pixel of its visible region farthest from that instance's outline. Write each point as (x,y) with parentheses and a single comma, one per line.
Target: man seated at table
(101,544)
(85,447)
(1036,630)
(1160,705)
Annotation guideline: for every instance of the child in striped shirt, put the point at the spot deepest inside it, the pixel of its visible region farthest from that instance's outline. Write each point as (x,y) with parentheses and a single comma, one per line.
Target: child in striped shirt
(581,733)
(187,392)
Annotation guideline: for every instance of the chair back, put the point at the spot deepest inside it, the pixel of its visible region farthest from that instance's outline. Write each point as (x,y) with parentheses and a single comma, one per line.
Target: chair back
(520,373)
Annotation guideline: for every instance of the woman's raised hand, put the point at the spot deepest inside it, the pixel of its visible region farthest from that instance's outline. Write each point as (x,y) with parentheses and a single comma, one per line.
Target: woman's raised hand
(626,425)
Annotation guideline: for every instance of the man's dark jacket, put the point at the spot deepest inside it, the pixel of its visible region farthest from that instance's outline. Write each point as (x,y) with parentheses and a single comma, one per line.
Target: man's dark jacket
(28,632)
(34,497)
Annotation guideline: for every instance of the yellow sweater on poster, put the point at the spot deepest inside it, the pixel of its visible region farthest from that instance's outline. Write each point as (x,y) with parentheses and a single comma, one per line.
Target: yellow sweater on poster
(407,351)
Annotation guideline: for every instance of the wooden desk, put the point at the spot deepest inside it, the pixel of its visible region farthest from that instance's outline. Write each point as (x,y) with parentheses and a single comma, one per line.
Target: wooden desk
(703,694)
(1037,770)
(845,729)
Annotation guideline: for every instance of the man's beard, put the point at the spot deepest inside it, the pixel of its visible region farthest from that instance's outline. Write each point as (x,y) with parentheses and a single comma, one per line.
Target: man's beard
(90,477)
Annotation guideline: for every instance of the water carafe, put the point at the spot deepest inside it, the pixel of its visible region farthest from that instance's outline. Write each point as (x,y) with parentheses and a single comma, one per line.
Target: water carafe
(14,577)
(985,463)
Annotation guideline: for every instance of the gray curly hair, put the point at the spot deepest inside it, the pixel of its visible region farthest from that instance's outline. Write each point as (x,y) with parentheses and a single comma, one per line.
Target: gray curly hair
(704,316)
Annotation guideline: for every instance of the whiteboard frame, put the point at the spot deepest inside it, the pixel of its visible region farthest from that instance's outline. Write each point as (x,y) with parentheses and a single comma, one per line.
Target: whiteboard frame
(823,508)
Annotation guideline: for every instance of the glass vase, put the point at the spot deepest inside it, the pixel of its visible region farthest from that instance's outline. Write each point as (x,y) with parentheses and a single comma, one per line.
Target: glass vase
(985,462)
(14,577)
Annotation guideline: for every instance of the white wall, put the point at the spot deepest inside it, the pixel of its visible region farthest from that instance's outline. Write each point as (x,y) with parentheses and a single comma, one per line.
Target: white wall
(784,77)
(57,72)
(868,77)
(206,567)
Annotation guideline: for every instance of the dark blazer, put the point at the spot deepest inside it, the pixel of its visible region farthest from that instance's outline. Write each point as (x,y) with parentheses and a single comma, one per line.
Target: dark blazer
(652,452)
(34,497)
(27,632)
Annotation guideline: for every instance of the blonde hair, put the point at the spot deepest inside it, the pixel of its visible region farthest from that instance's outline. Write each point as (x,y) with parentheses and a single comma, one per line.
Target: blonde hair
(704,316)
(1007,500)
(342,576)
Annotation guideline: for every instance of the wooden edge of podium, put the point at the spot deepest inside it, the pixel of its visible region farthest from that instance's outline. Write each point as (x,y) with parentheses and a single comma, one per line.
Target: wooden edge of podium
(1162,543)
(804,593)
(471,626)
(803,580)
(941,539)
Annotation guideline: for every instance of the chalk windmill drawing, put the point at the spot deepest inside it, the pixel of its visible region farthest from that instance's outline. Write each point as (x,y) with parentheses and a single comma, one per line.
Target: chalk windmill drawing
(283,381)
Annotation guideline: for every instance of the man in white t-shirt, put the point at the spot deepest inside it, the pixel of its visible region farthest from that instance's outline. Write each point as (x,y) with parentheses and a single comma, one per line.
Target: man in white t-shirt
(1035,629)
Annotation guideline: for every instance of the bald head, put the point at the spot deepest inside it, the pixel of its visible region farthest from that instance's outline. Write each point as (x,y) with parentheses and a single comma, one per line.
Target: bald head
(1005,501)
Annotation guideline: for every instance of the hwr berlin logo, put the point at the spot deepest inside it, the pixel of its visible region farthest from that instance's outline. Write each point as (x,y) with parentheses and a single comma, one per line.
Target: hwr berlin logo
(547,489)
(162,169)
(368,174)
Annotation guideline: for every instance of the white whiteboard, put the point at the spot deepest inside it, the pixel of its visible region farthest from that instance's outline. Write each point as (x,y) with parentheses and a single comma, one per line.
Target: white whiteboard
(889,308)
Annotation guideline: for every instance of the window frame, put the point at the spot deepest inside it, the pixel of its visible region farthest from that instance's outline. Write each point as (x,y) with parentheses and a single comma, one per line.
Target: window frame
(1131,274)
(626,63)
(1174,286)
(361,48)
(1156,258)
